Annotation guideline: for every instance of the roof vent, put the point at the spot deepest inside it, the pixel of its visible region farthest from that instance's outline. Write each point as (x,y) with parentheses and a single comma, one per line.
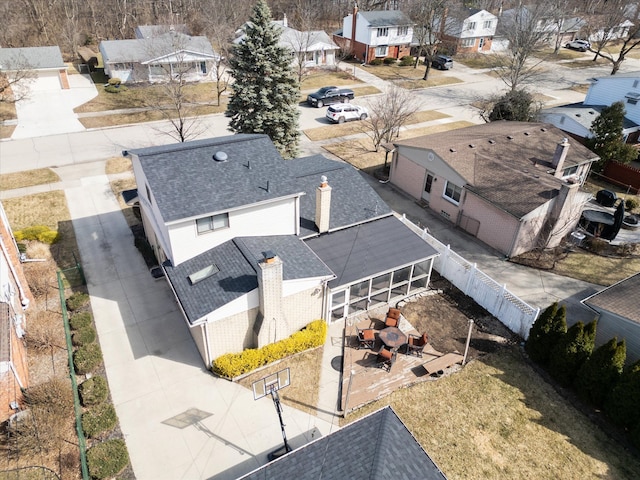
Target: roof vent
(510,137)
(543,129)
(471,145)
(526,133)
(452,150)
(492,142)
(220,157)
(578,115)
(269,256)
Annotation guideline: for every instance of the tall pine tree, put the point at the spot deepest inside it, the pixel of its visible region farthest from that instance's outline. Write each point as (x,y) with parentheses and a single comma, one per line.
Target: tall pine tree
(546,332)
(265,92)
(572,351)
(601,371)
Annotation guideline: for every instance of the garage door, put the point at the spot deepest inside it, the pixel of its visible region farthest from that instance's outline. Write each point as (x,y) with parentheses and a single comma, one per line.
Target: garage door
(48,80)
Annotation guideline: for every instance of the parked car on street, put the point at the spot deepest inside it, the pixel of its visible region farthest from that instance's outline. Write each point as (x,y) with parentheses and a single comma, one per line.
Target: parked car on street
(346,112)
(329,95)
(442,62)
(580,45)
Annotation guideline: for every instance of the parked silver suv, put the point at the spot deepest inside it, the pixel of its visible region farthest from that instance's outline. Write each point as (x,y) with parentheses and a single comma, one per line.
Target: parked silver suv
(343,112)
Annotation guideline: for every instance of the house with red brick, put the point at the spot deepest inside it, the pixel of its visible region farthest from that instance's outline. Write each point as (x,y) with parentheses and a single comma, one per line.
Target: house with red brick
(513,185)
(376,34)
(15,297)
(468,30)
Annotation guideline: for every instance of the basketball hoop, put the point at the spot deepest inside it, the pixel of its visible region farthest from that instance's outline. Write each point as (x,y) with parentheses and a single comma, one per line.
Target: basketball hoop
(270,385)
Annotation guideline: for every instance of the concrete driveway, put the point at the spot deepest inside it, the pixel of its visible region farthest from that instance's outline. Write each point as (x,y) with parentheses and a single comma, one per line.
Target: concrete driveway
(49,111)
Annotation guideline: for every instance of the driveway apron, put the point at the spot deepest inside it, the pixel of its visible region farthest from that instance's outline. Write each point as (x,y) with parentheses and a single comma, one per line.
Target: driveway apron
(178,420)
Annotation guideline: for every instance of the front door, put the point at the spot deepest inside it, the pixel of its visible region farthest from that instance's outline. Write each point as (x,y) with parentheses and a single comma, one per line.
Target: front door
(428,184)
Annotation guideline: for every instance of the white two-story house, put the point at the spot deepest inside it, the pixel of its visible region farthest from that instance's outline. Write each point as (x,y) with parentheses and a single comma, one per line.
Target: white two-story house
(376,34)
(255,247)
(469,30)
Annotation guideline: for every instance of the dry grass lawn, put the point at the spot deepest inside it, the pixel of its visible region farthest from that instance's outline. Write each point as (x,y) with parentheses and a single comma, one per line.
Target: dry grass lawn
(360,154)
(547,54)
(7,130)
(411,78)
(352,128)
(28,178)
(585,63)
(433,81)
(140,116)
(475,60)
(596,269)
(118,165)
(498,418)
(320,78)
(305,379)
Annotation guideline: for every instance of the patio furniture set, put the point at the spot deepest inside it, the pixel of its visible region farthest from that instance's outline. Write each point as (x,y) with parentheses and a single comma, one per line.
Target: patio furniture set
(392,339)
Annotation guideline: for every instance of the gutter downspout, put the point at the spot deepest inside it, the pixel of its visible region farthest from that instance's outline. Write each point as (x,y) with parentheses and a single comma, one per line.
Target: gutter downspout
(24,300)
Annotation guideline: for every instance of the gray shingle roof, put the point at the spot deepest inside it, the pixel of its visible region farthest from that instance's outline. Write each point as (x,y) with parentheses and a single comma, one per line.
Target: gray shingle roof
(585,114)
(237,261)
(376,447)
(369,248)
(505,162)
(31,58)
(352,199)
(622,298)
(386,18)
(199,185)
(140,50)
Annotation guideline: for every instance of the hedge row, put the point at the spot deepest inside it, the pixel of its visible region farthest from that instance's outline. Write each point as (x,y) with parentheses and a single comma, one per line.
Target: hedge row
(233,364)
(107,459)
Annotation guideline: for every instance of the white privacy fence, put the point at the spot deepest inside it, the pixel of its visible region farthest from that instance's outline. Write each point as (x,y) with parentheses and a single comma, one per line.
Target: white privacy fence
(517,315)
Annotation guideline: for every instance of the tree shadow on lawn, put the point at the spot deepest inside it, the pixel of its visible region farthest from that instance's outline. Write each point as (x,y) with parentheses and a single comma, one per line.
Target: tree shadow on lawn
(557,409)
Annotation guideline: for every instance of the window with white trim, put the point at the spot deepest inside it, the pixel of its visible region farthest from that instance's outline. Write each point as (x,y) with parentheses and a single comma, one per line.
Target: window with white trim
(214,222)
(452,192)
(471,26)
(403,30)
(381,51)
(468,42)
(487,24)
(383,32)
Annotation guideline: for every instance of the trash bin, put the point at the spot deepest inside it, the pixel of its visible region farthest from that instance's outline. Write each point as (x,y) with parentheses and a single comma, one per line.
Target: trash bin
(606,198)
(577,238)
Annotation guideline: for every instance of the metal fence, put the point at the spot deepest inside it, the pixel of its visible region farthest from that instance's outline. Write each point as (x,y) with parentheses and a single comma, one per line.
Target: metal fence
(516,314)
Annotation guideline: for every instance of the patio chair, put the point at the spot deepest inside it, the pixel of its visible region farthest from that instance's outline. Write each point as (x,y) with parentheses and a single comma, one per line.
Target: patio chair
(386,358)
(393,317)
(416,344)
(366,338)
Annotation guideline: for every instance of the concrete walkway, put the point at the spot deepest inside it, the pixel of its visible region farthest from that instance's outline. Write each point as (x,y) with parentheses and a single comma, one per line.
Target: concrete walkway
(179,421)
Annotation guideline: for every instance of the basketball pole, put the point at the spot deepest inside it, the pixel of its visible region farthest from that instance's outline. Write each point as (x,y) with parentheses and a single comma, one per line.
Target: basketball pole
(276,402)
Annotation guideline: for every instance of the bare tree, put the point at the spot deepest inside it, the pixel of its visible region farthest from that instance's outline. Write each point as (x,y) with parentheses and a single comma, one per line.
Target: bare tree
(430,21)
(605,29)
(559,11)
(521,28)
(16,76)
(388,113)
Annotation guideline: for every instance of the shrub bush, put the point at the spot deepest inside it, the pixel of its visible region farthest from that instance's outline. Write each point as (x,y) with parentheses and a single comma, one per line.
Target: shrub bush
(45,330)
(83,336)
(41,233)
(99,419)
(622,402)
(546,332)
(601,371)
(376,61)
(93,391)
(55,395)
(389,61)
(571,352)
(597,245)
(87,358)
(107,459)
(77,301)
(234,364)
(115,88)
(407,61)
(80,320)
(631,203)
(146,250)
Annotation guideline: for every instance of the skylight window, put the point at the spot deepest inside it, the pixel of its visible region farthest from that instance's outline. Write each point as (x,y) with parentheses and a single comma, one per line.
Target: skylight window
(203,274)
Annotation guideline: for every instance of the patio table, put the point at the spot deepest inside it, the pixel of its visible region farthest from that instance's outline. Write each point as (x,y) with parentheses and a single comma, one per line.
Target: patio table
(393,337)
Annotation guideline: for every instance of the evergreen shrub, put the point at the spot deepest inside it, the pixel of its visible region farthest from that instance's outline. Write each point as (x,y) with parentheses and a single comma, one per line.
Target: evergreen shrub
(80,320)
(87,358)
(622,403)
(77,301)
(107,459)
(601,372)
(407,61)
(93,391)
(83,336)
(389,61)
(99,419)
(41,233)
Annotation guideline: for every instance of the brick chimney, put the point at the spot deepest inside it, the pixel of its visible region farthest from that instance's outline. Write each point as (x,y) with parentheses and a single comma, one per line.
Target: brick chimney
(353,24)
(559,157)
(323,205)
(273,326)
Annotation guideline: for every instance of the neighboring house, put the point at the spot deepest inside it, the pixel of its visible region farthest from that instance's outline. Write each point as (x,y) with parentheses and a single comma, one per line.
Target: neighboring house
(157,53)
(576,118)
(513,185)
(376,446)
(311,48)
(15,297)
(255,247)
(469,30)
(618,309)
(376,34)
(43,63)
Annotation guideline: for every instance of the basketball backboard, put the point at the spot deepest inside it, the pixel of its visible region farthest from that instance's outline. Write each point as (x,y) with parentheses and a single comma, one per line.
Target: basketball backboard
(275,381)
